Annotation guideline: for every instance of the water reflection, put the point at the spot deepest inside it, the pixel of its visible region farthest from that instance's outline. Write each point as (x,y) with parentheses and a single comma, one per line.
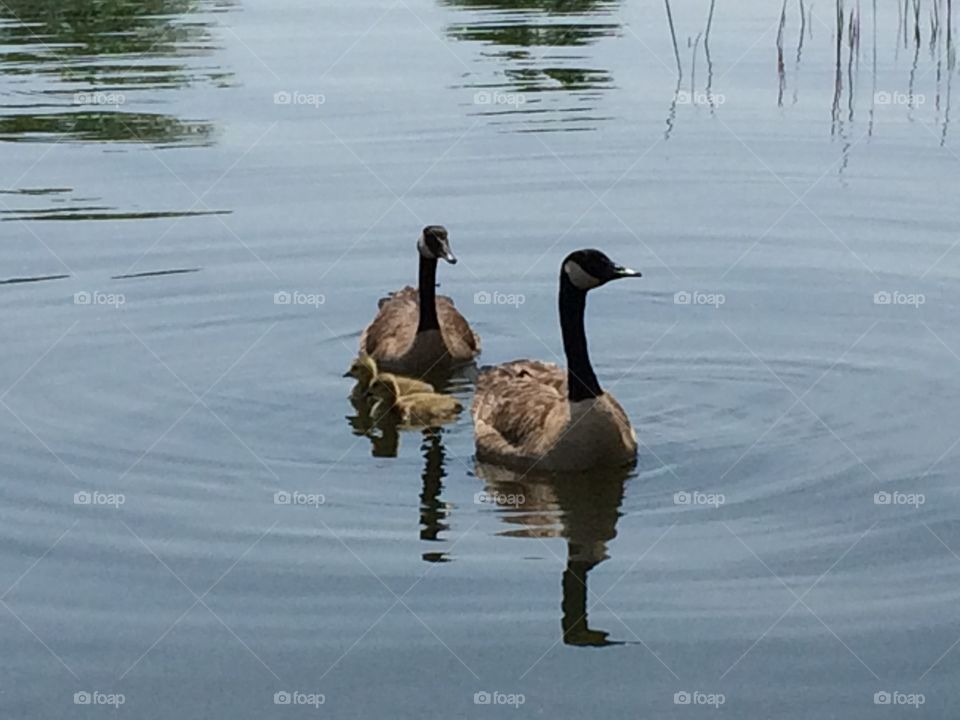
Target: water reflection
(582,509)
(96,60)
(433,510)
(541,84)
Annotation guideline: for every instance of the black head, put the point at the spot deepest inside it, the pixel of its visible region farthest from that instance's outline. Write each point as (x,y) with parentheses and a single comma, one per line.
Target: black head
(587,269)
(434,244)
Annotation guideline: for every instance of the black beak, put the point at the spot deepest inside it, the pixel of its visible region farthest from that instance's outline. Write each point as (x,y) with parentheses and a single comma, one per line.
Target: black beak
(625,272)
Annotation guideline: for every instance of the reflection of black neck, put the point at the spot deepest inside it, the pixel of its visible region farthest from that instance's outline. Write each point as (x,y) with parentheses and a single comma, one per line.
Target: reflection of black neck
(574,622)
(428,295)
(433,510)
(582,383)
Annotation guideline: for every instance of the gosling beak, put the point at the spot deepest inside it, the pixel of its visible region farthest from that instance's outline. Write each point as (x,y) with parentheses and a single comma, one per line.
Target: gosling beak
(347,374)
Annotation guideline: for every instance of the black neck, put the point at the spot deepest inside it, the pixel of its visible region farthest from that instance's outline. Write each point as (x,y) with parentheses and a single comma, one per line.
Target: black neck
(428,295)
(582,383)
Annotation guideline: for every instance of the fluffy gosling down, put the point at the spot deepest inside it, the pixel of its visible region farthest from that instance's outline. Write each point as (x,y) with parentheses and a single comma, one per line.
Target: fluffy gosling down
(364,370)
(534,415)
(423,409)
(416,331)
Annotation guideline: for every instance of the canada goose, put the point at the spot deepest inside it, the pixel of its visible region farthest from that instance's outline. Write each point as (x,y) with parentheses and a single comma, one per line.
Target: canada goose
(531,414)
(416,410)
(364,370)
(416,332)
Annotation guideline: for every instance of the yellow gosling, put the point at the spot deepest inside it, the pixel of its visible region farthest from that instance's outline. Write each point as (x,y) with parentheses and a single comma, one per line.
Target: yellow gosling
(423,409)
(364,370)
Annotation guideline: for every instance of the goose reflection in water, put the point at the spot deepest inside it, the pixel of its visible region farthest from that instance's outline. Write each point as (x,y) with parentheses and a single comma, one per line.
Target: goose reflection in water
(383,432)
(384,435)
(584,510)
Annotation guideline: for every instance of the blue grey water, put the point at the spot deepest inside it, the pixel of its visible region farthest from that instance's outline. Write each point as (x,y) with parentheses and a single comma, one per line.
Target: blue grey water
(787,546)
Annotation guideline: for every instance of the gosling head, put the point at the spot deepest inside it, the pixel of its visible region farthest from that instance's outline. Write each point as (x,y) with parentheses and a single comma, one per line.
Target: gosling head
(385,388)
(363,369)
(434,244)
(588,269)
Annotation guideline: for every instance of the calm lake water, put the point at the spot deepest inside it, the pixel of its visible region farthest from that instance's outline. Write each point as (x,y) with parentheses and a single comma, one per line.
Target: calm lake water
(209,196)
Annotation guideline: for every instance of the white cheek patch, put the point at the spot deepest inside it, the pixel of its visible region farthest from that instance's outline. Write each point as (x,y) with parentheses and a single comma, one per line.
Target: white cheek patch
(579,277)
(424,250)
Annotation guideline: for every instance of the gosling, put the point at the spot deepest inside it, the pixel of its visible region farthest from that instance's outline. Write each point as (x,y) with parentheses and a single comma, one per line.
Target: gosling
(365,371)
(416,410)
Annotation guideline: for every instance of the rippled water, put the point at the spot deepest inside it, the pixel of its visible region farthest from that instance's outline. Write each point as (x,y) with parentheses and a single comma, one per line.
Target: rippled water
(175,172)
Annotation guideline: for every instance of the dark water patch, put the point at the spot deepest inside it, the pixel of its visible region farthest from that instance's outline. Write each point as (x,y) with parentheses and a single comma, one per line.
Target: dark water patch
(98,61)
(108,126)
(155,273)
(37,191)
(82,214)
(540,49)
(38,278)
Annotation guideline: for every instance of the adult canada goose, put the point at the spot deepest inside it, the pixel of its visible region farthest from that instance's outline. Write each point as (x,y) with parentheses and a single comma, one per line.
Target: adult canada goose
(424,409)
(416,332)
(364,370)
(529,414)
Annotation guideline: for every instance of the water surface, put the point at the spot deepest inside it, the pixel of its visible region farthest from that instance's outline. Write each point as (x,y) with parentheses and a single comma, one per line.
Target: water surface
(202,203)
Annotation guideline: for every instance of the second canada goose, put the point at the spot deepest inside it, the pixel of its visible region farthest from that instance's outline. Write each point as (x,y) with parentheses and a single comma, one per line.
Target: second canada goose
(364,369)
(529,414)
(417,332)
(424,409)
